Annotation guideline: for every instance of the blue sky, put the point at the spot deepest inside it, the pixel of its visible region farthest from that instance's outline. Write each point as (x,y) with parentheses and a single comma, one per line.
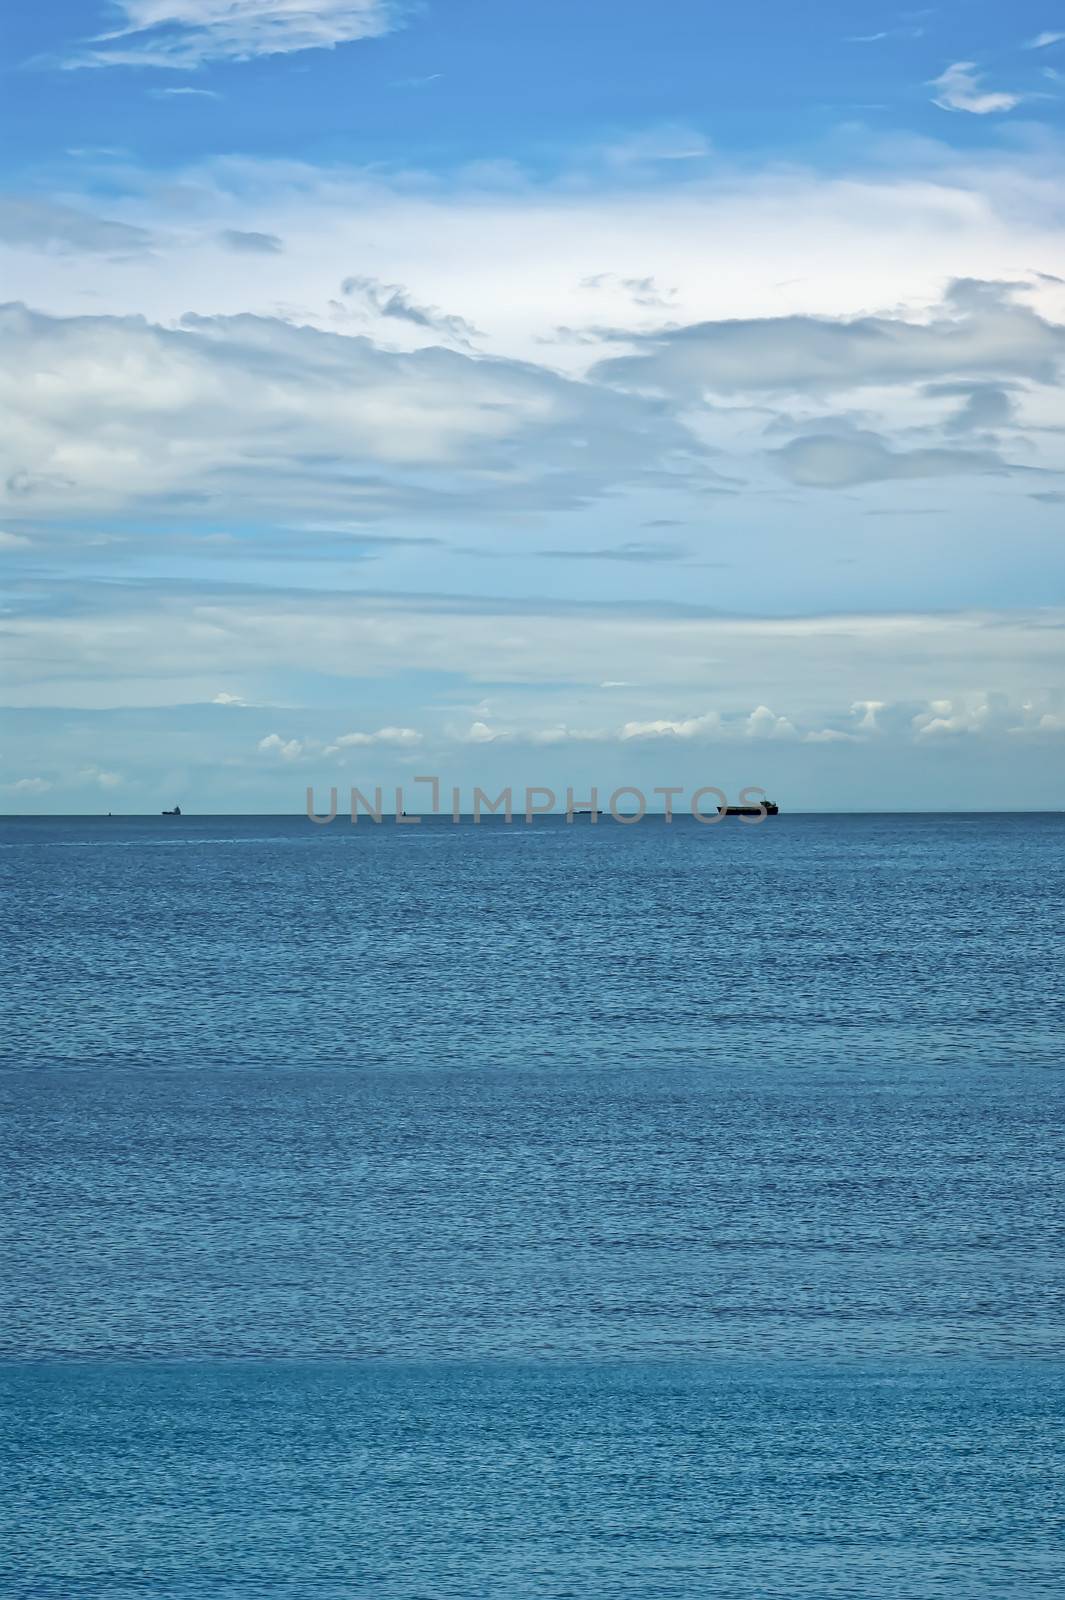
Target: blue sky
(594,393)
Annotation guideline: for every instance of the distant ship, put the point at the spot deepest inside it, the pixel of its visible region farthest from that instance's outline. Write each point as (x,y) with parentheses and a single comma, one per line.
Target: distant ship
(587,811)
(768,806)
(175,813)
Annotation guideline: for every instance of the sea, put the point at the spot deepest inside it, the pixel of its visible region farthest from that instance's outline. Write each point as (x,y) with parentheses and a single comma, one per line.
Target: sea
(533,1212)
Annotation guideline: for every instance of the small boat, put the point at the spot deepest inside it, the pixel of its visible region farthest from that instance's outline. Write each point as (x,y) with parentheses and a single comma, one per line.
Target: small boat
(588,811)
(175,813)
(767,808)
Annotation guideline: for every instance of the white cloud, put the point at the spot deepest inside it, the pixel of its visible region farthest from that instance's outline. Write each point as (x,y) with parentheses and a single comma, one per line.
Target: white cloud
(764,724)
(869,710)
(187,33)
(1043,40)
(960,90)
(225,699)
(103,780)
(184,91)
(251,415)
(946,718)
(286,749)
(399,737)
(29,786)
(12,541)
(662,728)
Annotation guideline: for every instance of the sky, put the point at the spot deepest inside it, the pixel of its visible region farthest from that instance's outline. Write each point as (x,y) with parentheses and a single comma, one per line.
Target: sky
(569,394)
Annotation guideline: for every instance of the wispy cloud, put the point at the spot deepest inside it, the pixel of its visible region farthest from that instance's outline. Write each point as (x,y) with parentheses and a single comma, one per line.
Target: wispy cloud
(261,244)
(187,33)
(29,786)
(185,91)
(960,89)
(50,225)
(399,738)
(1043,40)
(634,550)
(393,300)
(642,291)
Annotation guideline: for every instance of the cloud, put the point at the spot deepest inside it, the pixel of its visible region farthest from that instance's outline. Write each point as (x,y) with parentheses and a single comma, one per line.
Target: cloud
(103,780)
(764,724)
(869,710)
(663,728)
(830,461)
(401,738)
(643,291)
(670,142)
(29,786)
(946,718)
(50,226)
(12,541)
(185,90)
(187,33)
(985,405)
(286,749)
(261,244)
(224,699)
(393,300)
(979,329)
(253,416)
(634,550)
(1043,40)
(761,723)
(959,90)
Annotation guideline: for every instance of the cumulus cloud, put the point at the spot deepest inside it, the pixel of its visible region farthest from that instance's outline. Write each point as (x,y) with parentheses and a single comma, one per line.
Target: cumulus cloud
(765,724)
(960,90)
(842,461)
(946,718)
(187,33)
(868,710)
(29,786)
(285,749)
(663,728)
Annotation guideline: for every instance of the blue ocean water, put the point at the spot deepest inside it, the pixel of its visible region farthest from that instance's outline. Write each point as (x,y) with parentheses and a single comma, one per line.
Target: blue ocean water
(541,1211)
